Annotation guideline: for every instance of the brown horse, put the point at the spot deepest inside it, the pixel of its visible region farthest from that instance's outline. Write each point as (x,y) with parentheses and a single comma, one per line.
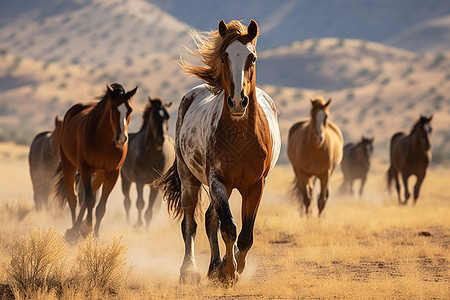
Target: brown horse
(94,141)
(356,163)
(410,155)
(227,137)
(43,160)
(150,154)
(314,149)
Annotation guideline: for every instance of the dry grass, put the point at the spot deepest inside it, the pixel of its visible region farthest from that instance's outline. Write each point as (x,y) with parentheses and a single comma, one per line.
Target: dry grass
(367,248)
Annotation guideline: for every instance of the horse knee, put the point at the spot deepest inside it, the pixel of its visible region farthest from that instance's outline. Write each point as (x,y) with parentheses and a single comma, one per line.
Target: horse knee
(229,231)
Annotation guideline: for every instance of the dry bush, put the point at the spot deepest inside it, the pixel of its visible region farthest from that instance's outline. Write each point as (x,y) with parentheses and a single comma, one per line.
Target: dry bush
(37,263)
(101,269)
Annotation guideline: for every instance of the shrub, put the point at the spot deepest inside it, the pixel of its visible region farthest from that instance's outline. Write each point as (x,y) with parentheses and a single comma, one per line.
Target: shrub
(101,268)
(37,263)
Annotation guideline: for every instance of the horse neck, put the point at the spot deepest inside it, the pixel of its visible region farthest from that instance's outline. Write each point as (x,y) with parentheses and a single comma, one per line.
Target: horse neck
(100,117)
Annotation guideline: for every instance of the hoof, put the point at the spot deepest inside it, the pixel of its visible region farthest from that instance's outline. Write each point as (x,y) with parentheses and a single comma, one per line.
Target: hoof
(72,236)
(85,229)
(190,276)
(241,262)
(227,274)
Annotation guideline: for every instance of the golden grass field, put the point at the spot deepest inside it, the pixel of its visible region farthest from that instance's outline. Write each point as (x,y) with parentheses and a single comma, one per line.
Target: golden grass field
(368,248)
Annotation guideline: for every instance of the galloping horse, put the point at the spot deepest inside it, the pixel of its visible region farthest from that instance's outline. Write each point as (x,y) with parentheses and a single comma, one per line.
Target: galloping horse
(410,155)
(227,137)
(43,160)
(94,141)
(314,149)
(150,154)
(356,163)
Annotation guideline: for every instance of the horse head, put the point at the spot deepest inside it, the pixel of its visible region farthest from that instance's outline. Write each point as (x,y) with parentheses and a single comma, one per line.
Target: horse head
(367,144)
(319,118)
(158,120)
(120,106)
(238,65)
(424,131)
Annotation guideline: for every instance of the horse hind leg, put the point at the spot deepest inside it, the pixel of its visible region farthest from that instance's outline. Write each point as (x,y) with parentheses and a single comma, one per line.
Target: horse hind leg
(323,196)
(212,231)
(405,185)
(190,191)
(417,186)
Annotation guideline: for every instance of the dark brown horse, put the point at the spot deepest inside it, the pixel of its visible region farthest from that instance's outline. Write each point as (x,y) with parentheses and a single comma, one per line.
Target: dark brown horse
(43,160)
(315,150)
(150,154)
(410,155)
(227,137)
(94,141)
(356,164)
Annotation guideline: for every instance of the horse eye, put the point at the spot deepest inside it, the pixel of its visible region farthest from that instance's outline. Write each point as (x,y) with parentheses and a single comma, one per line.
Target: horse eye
(222,59)
(254,60)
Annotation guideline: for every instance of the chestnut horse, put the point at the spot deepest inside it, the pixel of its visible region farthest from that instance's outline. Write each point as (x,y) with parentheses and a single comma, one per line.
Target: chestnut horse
(150,154)
(356,163)
(43,160)
(314,150)
(94,141)
(227,137)
(410,155)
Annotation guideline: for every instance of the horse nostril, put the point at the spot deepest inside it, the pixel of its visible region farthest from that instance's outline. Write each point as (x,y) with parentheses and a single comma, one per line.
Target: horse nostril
(230,102)
(244,102)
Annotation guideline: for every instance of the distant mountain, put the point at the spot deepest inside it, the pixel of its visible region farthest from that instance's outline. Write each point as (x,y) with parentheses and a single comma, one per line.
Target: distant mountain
(286,21)
(430,36)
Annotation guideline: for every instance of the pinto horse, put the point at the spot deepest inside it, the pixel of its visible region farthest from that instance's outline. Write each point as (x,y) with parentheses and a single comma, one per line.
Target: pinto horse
(356,163)
(43,160)
(314,150)
(227,137)
(150,154)
(410,155)
(94,141)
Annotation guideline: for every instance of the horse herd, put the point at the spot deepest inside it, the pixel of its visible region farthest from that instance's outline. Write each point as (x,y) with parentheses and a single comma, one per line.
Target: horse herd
(226,138)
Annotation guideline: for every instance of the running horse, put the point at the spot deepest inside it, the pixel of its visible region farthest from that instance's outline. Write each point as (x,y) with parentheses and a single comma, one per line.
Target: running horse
(227,137)
(43,161)
(94,142)
(314,150)
(150,154)
(356,164)
(410,155)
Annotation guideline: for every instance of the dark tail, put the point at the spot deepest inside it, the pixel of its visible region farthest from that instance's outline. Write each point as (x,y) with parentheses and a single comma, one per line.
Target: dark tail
(389,177)
(60,188)
(170,186)
(295,191)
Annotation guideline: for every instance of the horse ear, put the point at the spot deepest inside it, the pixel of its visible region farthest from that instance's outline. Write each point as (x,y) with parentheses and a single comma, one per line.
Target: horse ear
(109,89)
(169,104)
(328,103)
(150,102)
(131,93)
(57,121)
(253,30)
(430,118)
(222,28)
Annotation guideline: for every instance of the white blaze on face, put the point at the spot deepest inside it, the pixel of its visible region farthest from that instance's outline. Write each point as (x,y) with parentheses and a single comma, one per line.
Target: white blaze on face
(161,113)
(237,56)
(427,128)
(368,149)
(320,117)
(122,121)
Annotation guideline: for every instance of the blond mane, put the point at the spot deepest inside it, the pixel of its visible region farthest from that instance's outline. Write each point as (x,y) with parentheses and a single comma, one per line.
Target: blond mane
(210,46)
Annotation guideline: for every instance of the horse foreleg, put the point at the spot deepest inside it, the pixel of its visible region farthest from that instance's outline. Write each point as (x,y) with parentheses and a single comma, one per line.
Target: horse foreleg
(108,185)
(405,185)
(323,196)
(69,172)
(363,182)
(250,204)
(219,195)
(89,201)
(419,181)
(140,204)
(151,204)
(126,184)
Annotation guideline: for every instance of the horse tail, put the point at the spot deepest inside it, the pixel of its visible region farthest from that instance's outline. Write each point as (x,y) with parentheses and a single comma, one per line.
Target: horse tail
(60,189)
(389,177)
(170,186)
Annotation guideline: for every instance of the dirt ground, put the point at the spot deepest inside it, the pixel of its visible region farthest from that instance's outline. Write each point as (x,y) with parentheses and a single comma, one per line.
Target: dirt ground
(361,248)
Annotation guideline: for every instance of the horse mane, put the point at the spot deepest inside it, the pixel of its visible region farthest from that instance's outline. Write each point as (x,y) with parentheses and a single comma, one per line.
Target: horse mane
(210,45)
(117,89)
(148,108)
